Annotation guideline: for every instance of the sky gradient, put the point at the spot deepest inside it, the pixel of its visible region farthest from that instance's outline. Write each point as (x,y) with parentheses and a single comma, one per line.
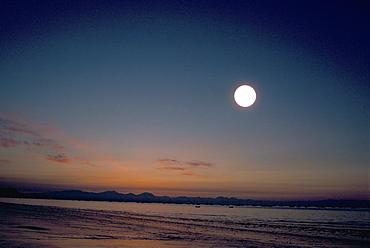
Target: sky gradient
(137,96)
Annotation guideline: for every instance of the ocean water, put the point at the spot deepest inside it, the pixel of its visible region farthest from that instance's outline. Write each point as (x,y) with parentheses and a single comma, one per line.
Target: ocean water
(329,217)
(64,223)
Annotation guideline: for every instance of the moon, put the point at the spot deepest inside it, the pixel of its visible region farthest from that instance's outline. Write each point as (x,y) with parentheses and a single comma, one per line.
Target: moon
(245,96)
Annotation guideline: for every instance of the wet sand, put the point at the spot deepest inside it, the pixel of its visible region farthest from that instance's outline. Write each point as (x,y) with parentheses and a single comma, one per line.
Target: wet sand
(44,226)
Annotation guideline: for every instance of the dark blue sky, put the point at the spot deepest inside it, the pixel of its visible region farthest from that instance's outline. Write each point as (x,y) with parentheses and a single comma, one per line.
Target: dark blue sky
(138,96)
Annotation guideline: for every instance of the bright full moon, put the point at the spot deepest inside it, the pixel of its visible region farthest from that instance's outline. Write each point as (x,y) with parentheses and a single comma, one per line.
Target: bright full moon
(245,96)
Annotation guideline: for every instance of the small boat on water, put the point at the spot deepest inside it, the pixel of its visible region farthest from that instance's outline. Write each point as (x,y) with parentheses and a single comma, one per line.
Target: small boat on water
(231,206)
(197,206)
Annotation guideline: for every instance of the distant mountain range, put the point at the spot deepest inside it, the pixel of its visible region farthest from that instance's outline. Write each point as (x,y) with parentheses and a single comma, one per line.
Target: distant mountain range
(150,198)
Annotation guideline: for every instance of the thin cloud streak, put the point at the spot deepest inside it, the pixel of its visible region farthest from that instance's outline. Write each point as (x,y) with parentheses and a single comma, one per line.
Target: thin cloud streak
(170,168)
(15,132)
(60,158)
(190,174)
(8,142)
(196,164)
(177,165)
(47,143)
(31,140)
(86,162)
(8,125)
(166,162)
(5,162)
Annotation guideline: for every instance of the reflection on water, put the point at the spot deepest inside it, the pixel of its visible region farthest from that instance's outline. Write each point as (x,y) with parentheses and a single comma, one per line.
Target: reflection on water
(244,214)
(60,223)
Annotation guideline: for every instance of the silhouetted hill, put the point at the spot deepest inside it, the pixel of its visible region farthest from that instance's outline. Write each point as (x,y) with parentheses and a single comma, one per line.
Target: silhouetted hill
(9,192)
(150,198)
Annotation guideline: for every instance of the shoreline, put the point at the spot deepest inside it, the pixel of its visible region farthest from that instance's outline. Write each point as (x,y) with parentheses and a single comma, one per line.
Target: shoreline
(146,197)
(322,207)
(46,226)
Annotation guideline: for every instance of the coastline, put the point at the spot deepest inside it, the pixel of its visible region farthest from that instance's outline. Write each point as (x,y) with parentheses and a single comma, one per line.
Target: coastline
(113,196)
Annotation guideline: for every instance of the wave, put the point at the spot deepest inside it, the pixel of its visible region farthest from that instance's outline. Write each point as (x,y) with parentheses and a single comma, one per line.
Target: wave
(47,225)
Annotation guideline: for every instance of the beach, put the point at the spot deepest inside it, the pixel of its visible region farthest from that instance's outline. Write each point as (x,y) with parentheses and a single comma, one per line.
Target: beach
(48,226)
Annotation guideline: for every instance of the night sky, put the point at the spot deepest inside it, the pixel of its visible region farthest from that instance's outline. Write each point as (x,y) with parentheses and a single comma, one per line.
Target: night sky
(137,96)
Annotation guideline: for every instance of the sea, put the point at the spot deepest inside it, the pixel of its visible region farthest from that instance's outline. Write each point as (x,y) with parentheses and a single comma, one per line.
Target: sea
(340,225)
(329,217)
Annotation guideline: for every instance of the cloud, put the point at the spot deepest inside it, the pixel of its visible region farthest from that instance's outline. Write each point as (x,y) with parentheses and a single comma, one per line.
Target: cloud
(171,162)
(168,161)
(60,158)
(170,168)
(25,134)
(86,162)
(198,164)
(190,174)
(30,137)
(90,164)
(177,165)
(15,127)
(47,143)
(5,161)
(50,143)
(8,142)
